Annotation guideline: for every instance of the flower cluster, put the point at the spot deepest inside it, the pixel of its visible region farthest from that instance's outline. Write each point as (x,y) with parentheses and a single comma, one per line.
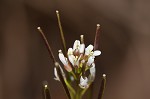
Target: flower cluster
(79,63)
(78,60)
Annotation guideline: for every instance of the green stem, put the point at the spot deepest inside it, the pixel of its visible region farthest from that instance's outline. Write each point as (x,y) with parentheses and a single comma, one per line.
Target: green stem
(61,31)
(62,79)
(70,87)
(46,92)
(102,87)
(78,95)
(47,44)
(73,75)
(83,91)
(97,37)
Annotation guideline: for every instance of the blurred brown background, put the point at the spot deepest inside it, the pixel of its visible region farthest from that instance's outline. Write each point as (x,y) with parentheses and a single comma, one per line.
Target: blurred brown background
(125,38)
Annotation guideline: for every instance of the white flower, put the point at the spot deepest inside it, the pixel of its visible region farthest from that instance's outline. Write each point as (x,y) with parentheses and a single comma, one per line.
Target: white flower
(56,74)
(84,82)
(76,45)
(71,57)
(89,51)
(74,60)
(90,61)
(92,69)
(64,60)
(92,72)
(81,49)
(70,51)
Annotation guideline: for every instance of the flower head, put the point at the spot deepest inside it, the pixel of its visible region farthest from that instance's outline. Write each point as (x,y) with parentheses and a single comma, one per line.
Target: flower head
(80,59)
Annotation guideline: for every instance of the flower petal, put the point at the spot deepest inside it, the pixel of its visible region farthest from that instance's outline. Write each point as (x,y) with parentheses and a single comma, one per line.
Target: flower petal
(82,47)
(70,51)
(92,69)
(76,45)
(56,75)
(92,73)
(90,61)
(88,50)
(68,67)
(62,58)
(90,47)
(97,53)
(78,60)
(83,82)
(71,59)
